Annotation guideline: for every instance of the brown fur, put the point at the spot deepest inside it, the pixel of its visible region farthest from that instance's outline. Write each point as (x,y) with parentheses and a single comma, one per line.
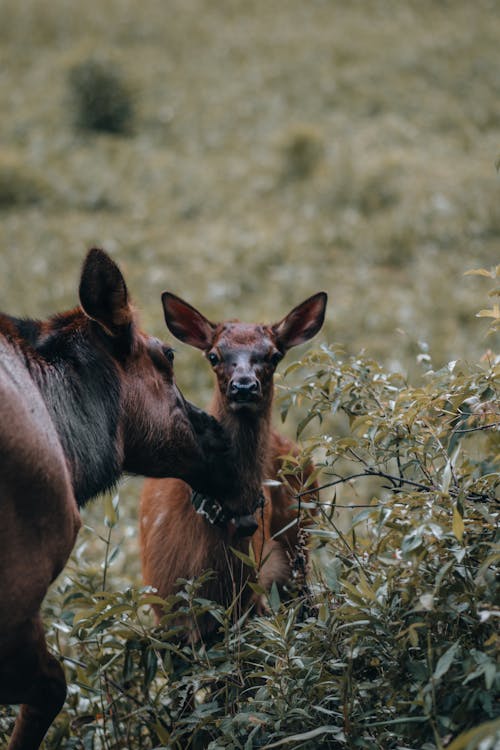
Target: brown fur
(83,397)
(176,542)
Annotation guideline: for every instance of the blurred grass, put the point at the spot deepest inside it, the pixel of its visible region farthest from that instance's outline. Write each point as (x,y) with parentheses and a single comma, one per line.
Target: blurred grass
(399,101)
(390,112)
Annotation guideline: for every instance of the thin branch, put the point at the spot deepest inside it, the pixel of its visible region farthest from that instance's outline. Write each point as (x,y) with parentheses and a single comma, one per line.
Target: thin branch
(476,429)
(78,663)
(348,507)
(368,473)
(397,486)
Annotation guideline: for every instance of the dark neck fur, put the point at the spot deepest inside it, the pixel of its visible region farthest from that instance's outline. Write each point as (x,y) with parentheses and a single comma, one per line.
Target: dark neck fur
(249,432)
(80,386)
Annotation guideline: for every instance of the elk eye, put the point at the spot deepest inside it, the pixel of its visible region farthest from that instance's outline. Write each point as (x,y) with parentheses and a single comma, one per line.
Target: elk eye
(213,359)
(169,353)
(275,358)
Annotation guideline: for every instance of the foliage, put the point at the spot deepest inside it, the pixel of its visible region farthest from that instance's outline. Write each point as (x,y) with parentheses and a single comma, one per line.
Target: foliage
(396,643)
(494,311)
(20,186)
(100,98)
(301,149)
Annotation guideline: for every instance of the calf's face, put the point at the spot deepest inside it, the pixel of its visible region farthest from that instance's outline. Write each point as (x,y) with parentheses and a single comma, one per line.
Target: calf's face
(244,356)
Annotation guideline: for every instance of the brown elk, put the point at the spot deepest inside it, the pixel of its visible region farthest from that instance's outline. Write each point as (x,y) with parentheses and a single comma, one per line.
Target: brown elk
(84,396)
(177,541)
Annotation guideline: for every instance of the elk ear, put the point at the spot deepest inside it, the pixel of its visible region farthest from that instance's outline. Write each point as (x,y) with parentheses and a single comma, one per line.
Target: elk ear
(186,323)
(103,293)
(301,323)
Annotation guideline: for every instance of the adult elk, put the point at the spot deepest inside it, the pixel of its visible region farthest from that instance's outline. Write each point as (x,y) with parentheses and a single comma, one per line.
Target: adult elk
(84,396)
(177,541)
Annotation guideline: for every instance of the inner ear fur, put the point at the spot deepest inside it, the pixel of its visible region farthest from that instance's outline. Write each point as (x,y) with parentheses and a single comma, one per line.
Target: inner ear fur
(103,293)
(301,323)
(186,323)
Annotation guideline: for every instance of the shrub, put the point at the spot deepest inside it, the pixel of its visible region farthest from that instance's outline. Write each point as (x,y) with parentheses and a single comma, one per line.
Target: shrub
(301,149)
(100,98)
(19,185)
(395,646)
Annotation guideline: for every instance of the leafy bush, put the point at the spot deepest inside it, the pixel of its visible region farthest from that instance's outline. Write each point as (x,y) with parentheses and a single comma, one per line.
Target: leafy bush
(396,644)
(301,149)
(100,98)
(19,185)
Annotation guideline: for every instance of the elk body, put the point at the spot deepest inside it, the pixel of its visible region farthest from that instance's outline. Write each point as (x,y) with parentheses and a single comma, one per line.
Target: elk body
(176,541)
(84,396)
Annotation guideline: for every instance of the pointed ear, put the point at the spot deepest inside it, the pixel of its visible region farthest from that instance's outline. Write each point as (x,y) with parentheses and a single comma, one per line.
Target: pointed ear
(302,323)
(186,323)
(103,293)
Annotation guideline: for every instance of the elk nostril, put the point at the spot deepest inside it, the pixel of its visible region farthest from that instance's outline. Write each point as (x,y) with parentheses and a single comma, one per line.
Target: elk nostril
(243,386)
(243,390)
(246,526)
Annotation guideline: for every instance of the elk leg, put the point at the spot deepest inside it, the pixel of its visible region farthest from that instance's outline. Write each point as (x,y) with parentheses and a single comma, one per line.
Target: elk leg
(38,683)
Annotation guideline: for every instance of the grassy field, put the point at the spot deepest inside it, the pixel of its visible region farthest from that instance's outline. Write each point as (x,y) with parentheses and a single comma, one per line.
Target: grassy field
(277,149)
(214,194)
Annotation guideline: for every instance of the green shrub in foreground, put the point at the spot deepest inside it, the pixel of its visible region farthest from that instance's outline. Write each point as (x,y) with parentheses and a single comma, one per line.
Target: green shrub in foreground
(395,648)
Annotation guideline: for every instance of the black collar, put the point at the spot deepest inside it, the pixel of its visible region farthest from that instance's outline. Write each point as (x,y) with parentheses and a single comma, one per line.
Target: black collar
(213,512)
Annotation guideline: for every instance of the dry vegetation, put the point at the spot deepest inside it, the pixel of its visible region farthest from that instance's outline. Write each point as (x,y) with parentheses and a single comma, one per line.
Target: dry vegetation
(271,150)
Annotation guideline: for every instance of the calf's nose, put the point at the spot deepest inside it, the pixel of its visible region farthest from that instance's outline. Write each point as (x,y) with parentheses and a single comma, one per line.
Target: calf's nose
(243,387)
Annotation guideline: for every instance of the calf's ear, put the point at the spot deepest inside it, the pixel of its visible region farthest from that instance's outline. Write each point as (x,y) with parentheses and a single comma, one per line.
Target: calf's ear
(186,323)
(301,323)
(103,293)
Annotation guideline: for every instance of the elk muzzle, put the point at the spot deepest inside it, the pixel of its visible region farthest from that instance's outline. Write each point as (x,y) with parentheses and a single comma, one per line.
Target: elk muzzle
(243,526)
(244,390)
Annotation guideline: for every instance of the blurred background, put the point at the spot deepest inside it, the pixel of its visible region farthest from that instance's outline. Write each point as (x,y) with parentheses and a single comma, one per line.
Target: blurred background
(245,155)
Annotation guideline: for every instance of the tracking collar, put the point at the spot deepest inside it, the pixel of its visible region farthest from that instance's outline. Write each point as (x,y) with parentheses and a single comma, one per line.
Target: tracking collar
(213,512)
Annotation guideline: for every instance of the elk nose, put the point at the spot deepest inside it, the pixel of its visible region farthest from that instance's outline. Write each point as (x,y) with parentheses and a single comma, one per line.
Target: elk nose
(245,525)
(243,388)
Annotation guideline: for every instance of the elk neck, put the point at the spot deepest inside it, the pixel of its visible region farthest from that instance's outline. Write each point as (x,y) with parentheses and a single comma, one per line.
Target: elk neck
(80,386)
(249,432)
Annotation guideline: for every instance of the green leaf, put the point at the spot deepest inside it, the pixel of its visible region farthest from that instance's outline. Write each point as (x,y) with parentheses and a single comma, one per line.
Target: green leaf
(152,599)
(363,421)
(274,597)
(446,478)
(493,312)
(458,523)
(304,736)
(258,589)
(246,559)
(110,510)
(305,421)
(471,739)
(480,272)
(150,667)
(163,734)
(445,661)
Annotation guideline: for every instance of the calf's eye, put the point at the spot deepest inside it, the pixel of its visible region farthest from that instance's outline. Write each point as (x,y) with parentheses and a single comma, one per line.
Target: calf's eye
(169,353)
(213,358)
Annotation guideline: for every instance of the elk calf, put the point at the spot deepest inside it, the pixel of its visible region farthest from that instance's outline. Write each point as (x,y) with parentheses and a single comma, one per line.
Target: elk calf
(177,541)
(84,396)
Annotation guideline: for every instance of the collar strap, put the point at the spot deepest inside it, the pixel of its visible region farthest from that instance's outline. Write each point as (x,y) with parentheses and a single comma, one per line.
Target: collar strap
(213,512)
